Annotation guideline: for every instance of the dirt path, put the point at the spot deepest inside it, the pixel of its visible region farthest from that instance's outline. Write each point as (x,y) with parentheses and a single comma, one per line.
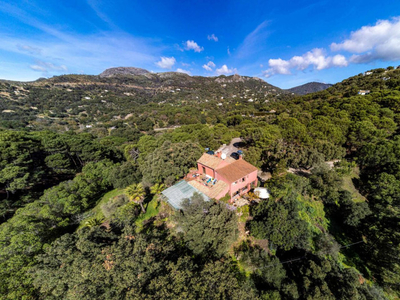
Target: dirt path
(167,128)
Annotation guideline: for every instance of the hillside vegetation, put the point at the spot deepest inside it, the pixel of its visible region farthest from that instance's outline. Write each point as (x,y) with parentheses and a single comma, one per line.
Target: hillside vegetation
(146,101)
(81,211)
(309,88)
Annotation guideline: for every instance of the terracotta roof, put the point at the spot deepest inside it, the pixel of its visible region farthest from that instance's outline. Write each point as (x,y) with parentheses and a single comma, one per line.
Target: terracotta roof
(236,170)
(213,161)
(211,192)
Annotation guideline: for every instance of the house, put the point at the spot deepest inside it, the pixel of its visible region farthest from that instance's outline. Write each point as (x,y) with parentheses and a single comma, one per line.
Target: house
(363,92)
(368,73)
(224,176)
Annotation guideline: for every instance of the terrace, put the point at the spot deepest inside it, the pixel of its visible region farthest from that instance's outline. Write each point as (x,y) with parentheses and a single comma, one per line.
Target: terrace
(207,185)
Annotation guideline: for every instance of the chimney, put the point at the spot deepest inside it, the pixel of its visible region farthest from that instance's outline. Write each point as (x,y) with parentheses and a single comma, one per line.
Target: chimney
(219,154)
(240,156)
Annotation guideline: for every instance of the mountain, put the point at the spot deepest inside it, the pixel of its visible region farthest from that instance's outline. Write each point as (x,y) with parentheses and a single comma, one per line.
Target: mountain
(123,71)
(73,101)
(309,88)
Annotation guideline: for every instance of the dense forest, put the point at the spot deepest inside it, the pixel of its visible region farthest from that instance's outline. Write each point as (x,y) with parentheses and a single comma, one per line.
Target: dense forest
(82,215)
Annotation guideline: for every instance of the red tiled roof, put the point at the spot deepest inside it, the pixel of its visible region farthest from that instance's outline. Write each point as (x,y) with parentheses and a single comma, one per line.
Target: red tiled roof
(236,170)
(213,161)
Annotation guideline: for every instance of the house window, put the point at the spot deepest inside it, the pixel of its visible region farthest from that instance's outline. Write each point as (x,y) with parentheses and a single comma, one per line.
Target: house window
(253,184)
(204,170)
(243,179)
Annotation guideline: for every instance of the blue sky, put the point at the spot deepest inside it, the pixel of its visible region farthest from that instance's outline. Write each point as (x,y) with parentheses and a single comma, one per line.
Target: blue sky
(286,43)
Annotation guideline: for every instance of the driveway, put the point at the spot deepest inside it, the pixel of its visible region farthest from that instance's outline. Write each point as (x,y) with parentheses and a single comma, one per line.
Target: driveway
(233,146)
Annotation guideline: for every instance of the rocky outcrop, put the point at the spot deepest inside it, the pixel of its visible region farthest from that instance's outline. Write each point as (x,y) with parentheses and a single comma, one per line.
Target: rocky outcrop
(123,71)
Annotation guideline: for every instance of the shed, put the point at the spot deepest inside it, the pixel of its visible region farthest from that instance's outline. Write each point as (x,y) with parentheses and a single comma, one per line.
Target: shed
(179,192)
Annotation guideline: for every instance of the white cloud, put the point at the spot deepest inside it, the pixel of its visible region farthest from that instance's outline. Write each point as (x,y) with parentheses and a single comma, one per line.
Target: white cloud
(209,66)
(378,42)
(45,67)
(212,37)
(316,58)
(166,62)
(192,45)
(278,66)
(224,70)
(183,71)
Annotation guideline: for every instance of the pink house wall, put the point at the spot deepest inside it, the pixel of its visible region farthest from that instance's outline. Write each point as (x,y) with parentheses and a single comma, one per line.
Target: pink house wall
(233,188)
(252,177)
(209,171)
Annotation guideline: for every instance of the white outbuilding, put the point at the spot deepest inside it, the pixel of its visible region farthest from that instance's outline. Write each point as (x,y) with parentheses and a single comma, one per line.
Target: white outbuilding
(261,192)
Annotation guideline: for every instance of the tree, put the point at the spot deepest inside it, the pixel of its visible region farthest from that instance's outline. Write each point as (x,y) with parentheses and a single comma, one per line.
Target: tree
(39,223)
(94,263)
(209,228)
(280,223)
(136,193)
(157,188)
(169,162)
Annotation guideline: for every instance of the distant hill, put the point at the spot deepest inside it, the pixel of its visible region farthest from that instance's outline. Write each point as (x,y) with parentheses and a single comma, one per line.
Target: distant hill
(70,102)
(309,88)
(123,71)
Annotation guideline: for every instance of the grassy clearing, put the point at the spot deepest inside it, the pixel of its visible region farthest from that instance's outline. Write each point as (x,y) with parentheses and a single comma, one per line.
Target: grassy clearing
(244,212)
(349,185)
(95,213)
(152,209)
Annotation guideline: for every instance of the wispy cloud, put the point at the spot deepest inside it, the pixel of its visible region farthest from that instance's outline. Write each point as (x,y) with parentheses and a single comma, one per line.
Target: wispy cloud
(45,67)
(212,38)
(96,6)
(224,70)
(369,43)
(29,49)
(166,62)
(192,45)
(77,52)
(316,58)
(209,66)
(253,42)
(90,52)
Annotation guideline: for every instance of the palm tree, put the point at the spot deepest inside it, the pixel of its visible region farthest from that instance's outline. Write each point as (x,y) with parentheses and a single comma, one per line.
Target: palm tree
(136,193)
(157,188)
(94,222)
